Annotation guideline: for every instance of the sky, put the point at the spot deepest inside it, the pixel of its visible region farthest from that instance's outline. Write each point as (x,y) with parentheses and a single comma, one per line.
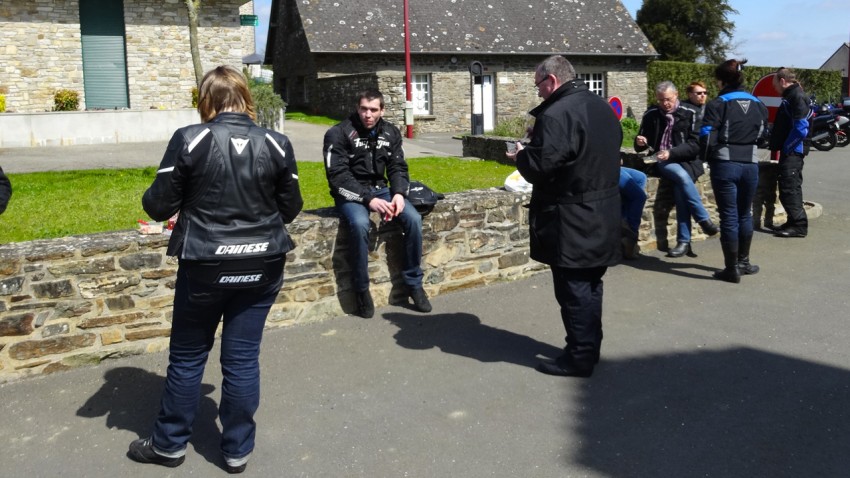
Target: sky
(767,33)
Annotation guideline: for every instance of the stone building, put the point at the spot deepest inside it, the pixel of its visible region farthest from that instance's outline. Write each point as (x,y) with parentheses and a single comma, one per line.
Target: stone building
(116,54)
(323,52)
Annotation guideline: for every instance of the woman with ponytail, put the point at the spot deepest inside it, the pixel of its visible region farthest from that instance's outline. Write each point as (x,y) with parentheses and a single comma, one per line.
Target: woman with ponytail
(733,124)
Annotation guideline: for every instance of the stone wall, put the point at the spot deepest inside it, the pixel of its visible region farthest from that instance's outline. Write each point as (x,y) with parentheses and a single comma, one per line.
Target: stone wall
(79,300)
(658,225)
(41,46)
(339,76)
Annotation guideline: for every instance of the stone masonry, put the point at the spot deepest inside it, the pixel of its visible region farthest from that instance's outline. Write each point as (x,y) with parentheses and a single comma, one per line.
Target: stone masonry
(79,300)
(334,92)
(41,46)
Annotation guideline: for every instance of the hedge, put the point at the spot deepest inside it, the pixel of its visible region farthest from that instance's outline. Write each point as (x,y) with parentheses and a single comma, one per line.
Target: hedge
(825,85)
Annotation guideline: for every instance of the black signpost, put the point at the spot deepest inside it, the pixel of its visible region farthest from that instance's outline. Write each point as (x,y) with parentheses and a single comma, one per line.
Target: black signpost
(476,69)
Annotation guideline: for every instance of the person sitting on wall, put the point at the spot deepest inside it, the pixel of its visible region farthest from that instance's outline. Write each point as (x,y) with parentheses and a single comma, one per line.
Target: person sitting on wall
(366,172)
(632,200)
(671,131)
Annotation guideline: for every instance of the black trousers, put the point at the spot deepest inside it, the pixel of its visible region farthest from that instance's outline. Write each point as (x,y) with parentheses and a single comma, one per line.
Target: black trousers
(579,293)
(791,191)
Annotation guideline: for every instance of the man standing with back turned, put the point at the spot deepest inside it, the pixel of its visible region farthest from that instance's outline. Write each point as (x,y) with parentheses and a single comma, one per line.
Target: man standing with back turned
(790,129)
(573,161)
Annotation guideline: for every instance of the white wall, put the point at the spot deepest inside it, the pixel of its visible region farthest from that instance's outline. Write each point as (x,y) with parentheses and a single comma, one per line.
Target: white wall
(18,130)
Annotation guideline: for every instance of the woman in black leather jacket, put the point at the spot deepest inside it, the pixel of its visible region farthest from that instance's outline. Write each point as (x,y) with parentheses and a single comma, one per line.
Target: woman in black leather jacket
(235,185)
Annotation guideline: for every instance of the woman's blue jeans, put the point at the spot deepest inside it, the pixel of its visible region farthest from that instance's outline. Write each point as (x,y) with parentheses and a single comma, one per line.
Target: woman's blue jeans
(356,215)
(686,197)
(734,187)
(198,309)
(633,196)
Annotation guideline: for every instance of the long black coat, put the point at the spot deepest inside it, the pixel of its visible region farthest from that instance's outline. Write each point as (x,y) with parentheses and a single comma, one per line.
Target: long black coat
(573,161)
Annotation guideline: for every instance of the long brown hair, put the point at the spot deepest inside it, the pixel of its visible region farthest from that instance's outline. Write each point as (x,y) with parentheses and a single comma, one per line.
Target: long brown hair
(731,72)
(224,88)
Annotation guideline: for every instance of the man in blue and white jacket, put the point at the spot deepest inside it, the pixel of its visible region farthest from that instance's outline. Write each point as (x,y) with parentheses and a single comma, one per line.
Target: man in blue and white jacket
(790,129)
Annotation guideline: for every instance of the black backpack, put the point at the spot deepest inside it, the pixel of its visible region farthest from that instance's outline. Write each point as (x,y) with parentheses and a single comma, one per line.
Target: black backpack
(422,197)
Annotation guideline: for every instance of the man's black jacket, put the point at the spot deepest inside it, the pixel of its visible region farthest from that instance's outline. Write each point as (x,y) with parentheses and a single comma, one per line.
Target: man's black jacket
(573,161)
(684,138)
(358,160)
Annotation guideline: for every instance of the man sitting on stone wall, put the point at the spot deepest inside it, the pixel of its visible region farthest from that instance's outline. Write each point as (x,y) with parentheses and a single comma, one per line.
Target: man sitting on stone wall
(366,171)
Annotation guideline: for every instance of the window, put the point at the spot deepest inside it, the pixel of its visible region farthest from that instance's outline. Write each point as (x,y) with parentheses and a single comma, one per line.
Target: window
(421,84)
(595,81)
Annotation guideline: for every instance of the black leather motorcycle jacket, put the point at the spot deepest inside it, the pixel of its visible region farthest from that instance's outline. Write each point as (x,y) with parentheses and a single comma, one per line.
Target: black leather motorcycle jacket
(358,160)
(235,185)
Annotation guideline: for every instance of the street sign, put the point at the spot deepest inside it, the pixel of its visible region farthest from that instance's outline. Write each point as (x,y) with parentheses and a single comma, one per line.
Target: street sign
(767,94)
(617,105)
(249,20)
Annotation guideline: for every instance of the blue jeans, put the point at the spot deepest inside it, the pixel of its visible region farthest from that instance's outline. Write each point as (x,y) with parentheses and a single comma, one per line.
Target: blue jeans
(633,196)
(734,187)
(356,215)
(686,197)
(198,309)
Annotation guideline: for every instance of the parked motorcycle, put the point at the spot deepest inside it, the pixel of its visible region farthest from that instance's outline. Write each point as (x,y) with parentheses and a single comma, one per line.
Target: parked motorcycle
(823,129)
(842,120)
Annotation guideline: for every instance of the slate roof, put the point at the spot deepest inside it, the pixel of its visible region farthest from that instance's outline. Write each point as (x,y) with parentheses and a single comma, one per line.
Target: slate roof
(598,27)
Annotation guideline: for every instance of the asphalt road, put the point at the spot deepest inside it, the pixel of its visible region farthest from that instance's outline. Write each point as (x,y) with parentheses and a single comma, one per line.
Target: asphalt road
(699,378)
(306,141)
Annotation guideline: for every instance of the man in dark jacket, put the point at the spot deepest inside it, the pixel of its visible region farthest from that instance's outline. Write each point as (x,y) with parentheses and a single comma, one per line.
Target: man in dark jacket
(366,171)
(573,161)
(671,130)
(790,129)
(5,191)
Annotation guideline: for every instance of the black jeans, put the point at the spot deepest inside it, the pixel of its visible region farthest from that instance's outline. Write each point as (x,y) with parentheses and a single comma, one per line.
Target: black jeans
(579,293)
(791,191)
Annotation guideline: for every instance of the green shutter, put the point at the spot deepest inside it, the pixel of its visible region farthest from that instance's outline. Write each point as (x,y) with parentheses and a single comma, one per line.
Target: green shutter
(104,56)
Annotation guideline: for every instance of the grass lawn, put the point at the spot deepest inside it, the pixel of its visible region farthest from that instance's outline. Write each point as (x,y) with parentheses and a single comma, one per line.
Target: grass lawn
(57,204)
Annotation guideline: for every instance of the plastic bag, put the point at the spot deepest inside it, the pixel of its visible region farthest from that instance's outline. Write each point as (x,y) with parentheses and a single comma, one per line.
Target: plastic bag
(515,183)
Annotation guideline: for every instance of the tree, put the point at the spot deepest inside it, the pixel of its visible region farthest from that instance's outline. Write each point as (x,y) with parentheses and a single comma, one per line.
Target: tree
(194,7)
(685,30)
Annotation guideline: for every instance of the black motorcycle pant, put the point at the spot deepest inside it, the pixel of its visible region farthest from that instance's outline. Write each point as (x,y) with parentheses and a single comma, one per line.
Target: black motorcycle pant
(791,191)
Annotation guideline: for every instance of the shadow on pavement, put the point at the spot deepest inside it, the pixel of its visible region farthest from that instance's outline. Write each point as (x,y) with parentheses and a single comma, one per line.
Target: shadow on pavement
(734,413)
(682,266)
(129,399)
(464,334)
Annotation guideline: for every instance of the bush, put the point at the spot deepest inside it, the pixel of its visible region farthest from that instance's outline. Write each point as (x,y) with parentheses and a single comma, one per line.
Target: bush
(66,100)
(195,97)
(2,103)
(825,85)
(268,104)
(630,130)
(510,128)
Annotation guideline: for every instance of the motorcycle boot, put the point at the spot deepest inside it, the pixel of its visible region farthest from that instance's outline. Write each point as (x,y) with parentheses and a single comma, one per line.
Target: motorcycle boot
(744,266)
(730,258)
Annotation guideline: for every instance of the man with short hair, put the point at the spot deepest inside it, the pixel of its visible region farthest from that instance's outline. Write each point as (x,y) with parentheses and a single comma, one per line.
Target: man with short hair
(366,171)
(697,98)
(671,130)
(790,129)
(573,161)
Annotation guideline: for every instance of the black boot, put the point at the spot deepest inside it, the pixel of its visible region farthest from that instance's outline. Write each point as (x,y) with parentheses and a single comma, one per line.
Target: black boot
(708,227)
(730,258)
(744,266)
(680,250)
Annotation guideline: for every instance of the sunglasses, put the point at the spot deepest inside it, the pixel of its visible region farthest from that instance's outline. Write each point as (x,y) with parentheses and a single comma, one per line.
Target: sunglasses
(700,93)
